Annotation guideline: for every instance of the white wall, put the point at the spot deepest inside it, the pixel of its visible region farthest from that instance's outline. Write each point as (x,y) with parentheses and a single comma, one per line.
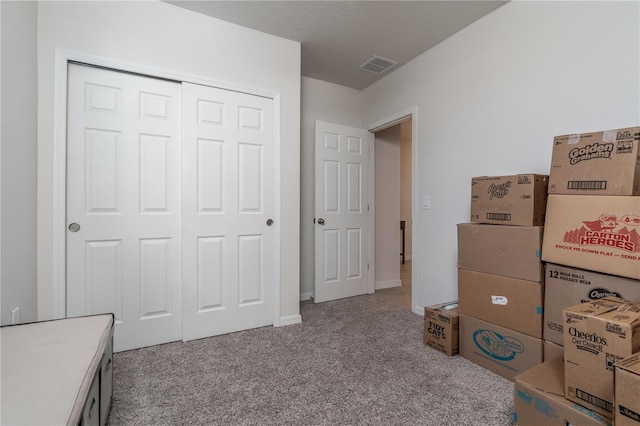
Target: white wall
(387,208)
(18,164)
(334,104)
(491,98)
(166,37)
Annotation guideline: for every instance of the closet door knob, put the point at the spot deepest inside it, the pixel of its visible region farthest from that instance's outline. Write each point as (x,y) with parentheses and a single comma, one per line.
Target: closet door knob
(320,221)
(74,227)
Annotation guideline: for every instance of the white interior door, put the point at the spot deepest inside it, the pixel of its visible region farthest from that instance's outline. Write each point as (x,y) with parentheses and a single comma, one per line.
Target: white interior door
(123,203)
(342,211)
(228,211)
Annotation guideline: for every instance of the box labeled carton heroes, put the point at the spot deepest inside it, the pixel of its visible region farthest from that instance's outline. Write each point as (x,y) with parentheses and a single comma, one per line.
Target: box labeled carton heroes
(539,399)
(508,302)
(627,384)
(501,350)
(598,163)
(441,327)
(512,251)
(566,286)
(597,233)
(509,200)
(596,336)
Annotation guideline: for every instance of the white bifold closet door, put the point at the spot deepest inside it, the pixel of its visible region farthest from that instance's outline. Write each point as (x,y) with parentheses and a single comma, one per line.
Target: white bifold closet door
(123,203)
(170,207)
(228,211)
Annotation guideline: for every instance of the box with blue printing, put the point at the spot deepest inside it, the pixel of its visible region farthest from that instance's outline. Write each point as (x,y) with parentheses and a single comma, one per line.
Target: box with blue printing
(539,399)
(505,352)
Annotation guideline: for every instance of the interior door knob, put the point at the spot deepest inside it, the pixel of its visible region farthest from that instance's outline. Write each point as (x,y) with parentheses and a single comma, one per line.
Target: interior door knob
(320,221)
(74,227)
(269,222)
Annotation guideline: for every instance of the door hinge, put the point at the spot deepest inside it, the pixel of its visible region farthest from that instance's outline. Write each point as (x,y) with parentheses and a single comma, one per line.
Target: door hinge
(367,266)
(367,207)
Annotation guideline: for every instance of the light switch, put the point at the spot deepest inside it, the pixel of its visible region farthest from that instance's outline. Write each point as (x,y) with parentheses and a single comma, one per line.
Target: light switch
(426,202)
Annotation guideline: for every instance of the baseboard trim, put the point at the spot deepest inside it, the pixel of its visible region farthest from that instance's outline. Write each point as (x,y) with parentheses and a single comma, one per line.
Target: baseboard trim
(290,320)
(387,284)
(306,296)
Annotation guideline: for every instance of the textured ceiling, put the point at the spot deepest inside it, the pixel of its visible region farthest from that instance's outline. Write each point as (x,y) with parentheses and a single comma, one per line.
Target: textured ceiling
(339,36)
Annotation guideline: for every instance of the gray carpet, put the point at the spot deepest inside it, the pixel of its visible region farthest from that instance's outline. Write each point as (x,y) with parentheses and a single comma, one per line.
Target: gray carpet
(357,361)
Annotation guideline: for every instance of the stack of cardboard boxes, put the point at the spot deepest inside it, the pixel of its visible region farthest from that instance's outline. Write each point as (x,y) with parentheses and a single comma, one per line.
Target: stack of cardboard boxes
(500,273)
(592,249)
(585,302)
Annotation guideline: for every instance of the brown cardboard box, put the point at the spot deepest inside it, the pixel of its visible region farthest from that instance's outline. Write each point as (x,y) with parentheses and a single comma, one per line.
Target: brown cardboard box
(595,233)
(627,392)
(539,399)
(551,351)
(507,302)
(599,163)
(596,336)
(509,200)
(441,327)
(512,251)
(565,286)
(503,351)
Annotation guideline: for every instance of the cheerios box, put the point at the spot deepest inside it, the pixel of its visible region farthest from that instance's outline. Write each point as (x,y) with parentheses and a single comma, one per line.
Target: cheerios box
(597,335)
(597,233)
(596,163)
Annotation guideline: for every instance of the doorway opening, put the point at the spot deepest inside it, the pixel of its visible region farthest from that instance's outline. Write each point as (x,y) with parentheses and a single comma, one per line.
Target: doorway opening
(393,157)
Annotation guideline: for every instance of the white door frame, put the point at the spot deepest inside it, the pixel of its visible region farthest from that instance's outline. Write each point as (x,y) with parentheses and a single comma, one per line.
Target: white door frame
(376,126)
(58,255)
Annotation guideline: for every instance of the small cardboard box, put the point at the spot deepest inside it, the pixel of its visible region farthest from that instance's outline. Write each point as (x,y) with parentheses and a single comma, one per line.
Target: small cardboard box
(627,392)
(539,399)
(599,163)
(501,350)
(596,336)
(565,286)
(595,233)
(508,302)
(441,327)
(509,200)
(512,251)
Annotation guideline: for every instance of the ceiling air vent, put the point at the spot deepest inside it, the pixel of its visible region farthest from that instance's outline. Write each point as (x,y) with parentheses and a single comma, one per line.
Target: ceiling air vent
(378,64)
